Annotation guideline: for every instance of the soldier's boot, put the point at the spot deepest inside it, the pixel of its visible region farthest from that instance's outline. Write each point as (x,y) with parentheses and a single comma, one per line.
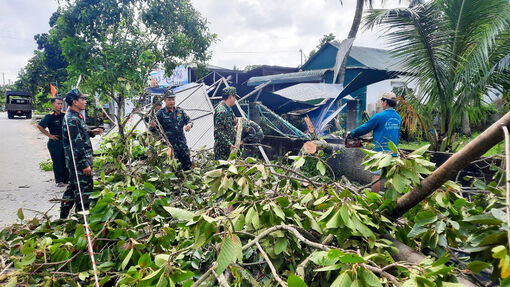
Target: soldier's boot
(64,211)
(86,203)
(67,204)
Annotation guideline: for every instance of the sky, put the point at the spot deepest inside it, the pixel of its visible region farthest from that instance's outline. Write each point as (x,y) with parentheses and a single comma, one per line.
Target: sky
(250,32)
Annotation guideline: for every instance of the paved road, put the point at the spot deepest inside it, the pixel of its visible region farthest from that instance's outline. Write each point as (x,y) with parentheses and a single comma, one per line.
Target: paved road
(22,183)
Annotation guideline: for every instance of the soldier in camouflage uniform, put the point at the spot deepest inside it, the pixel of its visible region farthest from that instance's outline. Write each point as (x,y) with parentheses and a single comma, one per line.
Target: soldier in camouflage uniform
(224,125)
(156,106)
(251,137)
(75,132)
(173,120)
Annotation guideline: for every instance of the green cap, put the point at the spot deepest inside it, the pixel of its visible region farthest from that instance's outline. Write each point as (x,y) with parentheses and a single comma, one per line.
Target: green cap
(229,91)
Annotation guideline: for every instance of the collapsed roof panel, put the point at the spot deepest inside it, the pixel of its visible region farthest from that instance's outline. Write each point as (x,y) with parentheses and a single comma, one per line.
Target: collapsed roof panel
(193,99)
(307,92)
(297,77)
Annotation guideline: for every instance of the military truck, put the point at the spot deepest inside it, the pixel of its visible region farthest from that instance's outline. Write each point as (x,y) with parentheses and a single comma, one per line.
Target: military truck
(18,103)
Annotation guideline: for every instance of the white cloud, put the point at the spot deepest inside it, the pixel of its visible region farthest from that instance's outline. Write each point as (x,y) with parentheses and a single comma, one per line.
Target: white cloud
(273,31)
(20,20)
(249,31)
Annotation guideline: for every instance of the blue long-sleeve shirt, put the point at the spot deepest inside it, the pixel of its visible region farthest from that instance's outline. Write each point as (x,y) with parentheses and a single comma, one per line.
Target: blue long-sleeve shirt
(386,127)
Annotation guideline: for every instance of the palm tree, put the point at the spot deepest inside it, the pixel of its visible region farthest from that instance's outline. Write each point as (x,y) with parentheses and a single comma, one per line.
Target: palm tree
(457,49)
(352,34)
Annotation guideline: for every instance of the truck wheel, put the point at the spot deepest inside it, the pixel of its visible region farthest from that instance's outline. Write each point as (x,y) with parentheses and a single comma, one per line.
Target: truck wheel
(29,115)
(9,115)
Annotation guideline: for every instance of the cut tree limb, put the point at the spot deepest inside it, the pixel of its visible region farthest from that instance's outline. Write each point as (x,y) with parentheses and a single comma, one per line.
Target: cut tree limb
(458,161)
(407,254)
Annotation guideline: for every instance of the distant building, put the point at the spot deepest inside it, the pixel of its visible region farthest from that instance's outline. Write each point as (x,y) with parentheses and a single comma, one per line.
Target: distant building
(359,57)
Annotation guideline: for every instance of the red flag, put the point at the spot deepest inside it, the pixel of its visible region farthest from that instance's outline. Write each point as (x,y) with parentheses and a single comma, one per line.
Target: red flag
(53,91)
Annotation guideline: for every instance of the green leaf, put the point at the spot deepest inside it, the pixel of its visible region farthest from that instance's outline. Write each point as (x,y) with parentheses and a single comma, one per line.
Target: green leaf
(343,280)
(321,258)
(295,281)
(278,211)
(121,222)
(351,258)
(392,147)
(226,255)
(283,201)
(483,219)
(232,169)
(417,231)
(255,220)
(386,161)
(180,214)
(420,150)
(369,278)
(153,275)
(499,252)
(280,245)
(425,217)
(13,282)
(477,266)
(21,216)
(126,259)
(299,163)
(321,167)
(83,275)
(28,259)
(238,247)
(161,259)
(335,221)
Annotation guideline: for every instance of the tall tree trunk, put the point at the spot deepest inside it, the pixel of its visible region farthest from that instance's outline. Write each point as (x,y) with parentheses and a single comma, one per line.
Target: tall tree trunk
(120,122)
(352,34)
(466,129)
(473,150)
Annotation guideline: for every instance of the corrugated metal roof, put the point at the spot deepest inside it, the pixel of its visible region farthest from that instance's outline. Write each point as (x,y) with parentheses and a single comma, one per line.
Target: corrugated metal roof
(310,91)
(193,99)
(298,77)
(373,58)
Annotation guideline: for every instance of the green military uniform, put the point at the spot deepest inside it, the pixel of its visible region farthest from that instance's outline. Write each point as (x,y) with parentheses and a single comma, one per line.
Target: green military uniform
(251,136)
(53,121)
(82,149)
(173,123)
(224,131)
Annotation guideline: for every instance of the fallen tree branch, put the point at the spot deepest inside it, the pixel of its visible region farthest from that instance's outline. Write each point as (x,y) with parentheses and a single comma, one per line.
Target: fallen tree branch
(382,273)
(300,270)
(273,270)
(205,275)
(293,231)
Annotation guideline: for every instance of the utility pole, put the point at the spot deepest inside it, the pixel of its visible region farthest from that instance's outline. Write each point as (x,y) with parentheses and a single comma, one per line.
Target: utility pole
(3,76)
(301,52)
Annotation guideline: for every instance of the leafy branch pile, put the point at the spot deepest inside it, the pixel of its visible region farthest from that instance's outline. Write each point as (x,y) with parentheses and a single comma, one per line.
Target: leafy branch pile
(239,224)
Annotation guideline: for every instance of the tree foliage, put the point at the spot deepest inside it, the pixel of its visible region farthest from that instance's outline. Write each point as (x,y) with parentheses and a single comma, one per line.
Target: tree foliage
(457,49)
(115,44)
(238,223)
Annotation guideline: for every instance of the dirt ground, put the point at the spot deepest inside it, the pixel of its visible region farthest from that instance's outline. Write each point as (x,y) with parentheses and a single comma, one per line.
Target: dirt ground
(22,183)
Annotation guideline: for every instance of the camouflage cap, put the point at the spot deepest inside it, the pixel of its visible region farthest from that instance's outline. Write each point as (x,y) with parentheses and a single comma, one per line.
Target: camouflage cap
(156,100)
(230,91)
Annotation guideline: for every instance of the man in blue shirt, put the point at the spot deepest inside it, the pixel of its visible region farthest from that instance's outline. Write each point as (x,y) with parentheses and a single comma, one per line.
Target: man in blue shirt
(386,127)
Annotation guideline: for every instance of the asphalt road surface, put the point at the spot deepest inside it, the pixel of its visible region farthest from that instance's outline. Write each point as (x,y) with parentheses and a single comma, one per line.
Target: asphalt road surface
(22,183)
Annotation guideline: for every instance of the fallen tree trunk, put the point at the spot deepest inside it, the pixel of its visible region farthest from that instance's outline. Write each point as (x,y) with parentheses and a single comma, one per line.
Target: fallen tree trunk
(473,150)
(407,254)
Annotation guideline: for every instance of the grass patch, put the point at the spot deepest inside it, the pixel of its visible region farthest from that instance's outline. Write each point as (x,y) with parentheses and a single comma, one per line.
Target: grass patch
(46,165)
